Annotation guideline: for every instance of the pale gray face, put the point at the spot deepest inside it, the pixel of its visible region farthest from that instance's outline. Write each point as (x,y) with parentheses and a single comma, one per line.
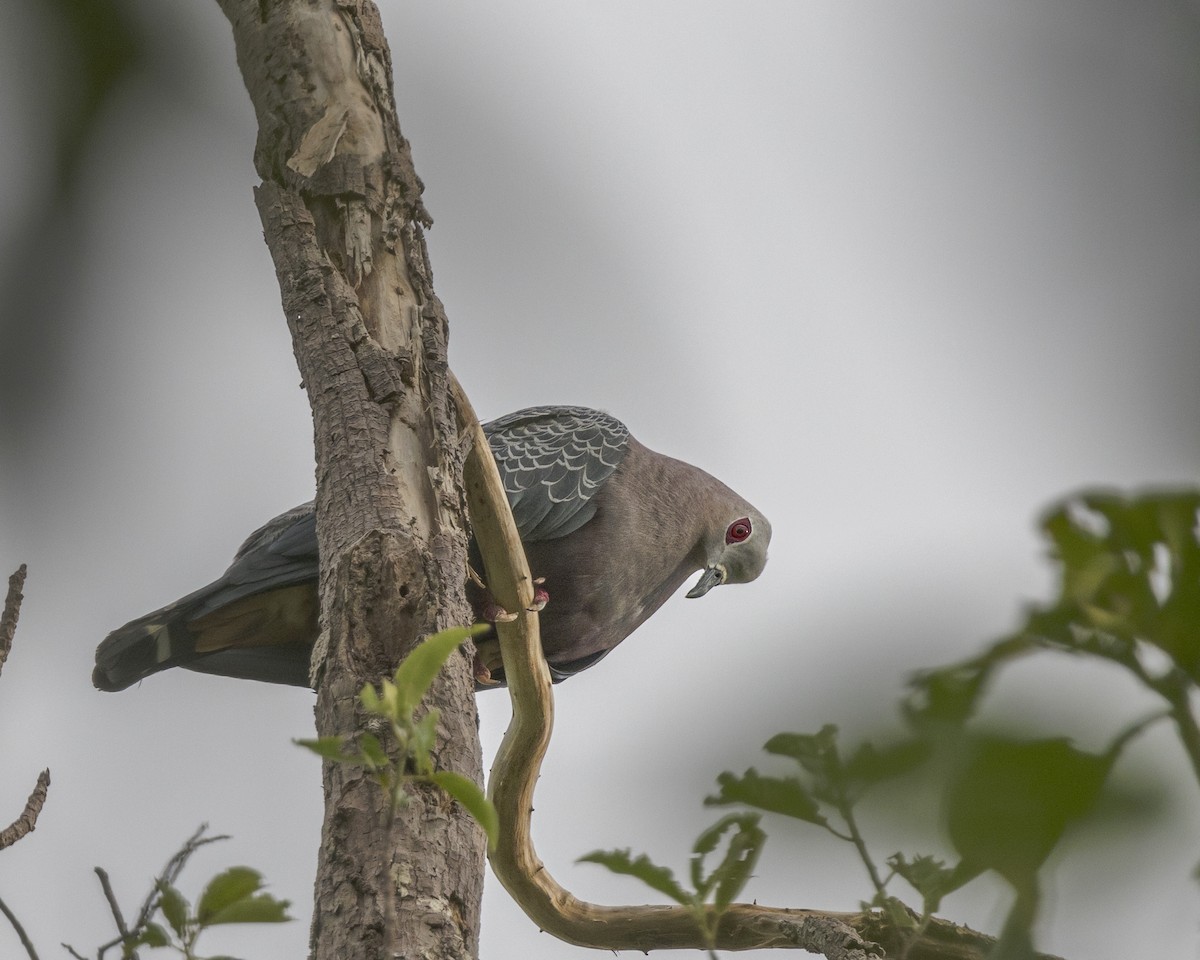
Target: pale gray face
(736,553)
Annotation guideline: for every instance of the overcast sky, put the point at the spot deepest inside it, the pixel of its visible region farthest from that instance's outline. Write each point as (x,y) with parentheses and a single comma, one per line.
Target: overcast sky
(900,274)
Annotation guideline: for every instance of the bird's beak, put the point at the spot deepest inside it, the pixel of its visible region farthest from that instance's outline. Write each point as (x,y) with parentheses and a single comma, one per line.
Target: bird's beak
(712,577)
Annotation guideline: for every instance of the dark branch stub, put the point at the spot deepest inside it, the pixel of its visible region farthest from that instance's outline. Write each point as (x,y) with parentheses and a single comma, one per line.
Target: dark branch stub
(28,819)
(12,610)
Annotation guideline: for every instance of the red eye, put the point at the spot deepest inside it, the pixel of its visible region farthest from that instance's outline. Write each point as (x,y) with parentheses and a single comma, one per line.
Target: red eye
(738,531)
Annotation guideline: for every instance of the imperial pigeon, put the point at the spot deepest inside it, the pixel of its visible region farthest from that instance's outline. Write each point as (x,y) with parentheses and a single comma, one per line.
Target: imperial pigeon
(610,528)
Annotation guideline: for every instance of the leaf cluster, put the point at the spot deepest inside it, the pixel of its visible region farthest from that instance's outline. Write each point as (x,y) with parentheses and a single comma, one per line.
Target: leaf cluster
(234,896)
(711,891)
(405,754)
(167,920)
(825,789)
(1129,593)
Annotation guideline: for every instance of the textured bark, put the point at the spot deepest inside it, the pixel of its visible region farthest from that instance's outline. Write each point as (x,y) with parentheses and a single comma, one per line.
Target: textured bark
(27,821)
(341,210)
(12,612)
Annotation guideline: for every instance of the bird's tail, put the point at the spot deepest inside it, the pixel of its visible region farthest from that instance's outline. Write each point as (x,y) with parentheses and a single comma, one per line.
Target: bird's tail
(219,629)
(144,646)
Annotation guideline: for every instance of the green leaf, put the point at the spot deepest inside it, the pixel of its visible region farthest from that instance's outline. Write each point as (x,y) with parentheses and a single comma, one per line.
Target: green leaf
(930,877)
(656,877)
(374,757)
(328,748)
(473,799)
(260,908)
(418,670)
(227,888)
(897,912)
(1011,801)
(947,696)
(785,795)
(174,908)
(813,751)
(368,696)
(391,705)
(152,935)
(423,740)
(1132,521)
(1131,573)
(870,764)
(735,868)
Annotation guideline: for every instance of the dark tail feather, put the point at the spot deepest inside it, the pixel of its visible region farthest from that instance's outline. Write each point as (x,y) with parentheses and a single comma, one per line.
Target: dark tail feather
(280,663)
(144,646)
(266,635)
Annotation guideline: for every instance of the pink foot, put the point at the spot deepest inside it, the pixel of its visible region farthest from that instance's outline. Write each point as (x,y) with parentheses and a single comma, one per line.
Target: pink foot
(483,676)
(541,596)
(494,613)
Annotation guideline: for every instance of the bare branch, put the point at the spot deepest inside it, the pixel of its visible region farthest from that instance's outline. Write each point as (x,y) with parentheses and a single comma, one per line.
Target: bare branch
(115,908)
(12,609)
(515,770)
(26,822)
(16,925)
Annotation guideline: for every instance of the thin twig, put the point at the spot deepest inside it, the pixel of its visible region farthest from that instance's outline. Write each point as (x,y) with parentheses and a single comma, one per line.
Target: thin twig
(170,872)
(845,808)
(16,925)
(1189,732)
(917,934)
(1174,686)
(114,908)
(12,610)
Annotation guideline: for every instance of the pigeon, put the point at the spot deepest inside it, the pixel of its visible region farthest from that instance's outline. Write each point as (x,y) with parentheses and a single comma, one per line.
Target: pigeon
(611,530)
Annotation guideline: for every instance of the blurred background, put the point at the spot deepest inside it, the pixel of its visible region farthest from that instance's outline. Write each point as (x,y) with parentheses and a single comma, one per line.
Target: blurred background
(899,274)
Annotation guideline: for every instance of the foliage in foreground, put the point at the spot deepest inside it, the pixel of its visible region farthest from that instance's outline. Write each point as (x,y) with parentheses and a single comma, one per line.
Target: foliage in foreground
(717,888)
(405,756)
(167,920)
(1129,594)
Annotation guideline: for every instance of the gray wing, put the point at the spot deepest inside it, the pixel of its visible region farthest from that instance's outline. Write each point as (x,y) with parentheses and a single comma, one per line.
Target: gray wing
(280,553)
(553,460)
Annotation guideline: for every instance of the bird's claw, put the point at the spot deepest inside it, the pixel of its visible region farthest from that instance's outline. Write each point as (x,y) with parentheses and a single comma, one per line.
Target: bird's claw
(483,676)
(541,596)
(494,613)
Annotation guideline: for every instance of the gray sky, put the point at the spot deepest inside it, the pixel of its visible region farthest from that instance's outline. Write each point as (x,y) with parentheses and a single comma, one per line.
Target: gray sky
(899,274)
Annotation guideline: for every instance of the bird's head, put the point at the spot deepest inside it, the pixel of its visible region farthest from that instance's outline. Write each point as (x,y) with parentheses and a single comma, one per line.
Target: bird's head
(735,552)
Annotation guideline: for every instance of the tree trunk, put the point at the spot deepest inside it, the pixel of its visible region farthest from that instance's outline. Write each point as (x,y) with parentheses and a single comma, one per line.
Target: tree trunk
(341,209)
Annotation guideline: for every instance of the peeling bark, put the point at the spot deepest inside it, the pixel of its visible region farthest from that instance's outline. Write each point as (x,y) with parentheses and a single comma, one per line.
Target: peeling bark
(342,214)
